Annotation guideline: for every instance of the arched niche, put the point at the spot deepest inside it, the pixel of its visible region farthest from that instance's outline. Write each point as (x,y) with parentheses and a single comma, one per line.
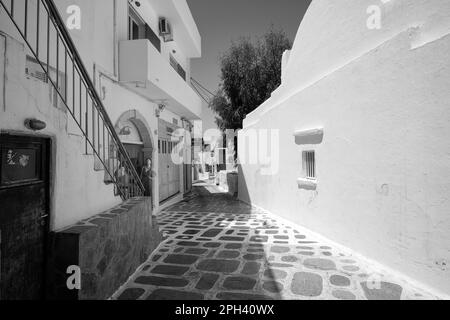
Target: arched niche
(143,129)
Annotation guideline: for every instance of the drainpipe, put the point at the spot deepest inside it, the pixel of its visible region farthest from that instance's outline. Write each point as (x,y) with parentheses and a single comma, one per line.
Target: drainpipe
(5,63)
(115,45)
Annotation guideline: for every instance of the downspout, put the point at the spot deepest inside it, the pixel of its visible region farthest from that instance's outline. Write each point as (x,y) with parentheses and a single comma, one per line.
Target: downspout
(5,64)
(115,45)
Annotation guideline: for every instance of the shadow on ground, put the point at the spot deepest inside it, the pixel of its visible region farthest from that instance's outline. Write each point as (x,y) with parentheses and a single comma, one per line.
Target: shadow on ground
(217,247)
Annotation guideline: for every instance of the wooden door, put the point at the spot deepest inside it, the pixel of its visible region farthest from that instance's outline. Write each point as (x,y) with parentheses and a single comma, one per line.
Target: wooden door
(174,172)
(24,216)
(169,172)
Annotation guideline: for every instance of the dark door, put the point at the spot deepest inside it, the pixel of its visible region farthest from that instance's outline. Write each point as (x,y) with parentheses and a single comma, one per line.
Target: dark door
(163,171)
(136,154)
(24,216)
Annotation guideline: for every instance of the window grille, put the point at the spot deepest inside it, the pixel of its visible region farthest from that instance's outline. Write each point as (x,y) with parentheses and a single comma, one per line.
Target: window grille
(309,164)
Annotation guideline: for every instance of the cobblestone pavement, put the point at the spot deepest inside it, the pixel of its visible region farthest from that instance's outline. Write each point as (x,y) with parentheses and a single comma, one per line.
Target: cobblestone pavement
(220,248)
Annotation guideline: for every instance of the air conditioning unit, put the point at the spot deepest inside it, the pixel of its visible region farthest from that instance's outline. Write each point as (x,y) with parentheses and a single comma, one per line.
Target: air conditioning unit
(34,70)
(165,30)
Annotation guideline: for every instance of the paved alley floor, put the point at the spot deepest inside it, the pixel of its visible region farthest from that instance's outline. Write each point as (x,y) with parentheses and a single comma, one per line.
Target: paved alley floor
(220,248)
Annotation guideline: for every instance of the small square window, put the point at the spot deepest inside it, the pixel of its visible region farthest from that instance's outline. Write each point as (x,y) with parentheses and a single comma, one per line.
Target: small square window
(309,165)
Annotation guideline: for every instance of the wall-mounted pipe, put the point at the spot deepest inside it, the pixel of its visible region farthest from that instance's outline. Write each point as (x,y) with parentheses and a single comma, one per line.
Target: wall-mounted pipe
(4,72)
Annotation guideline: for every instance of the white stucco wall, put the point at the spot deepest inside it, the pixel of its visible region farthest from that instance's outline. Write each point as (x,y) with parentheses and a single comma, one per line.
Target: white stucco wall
(120,100)
(78,191)
(95,39)
(384,163)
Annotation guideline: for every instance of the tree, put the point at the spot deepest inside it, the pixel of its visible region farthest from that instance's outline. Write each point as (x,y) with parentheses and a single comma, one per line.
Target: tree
(250,72)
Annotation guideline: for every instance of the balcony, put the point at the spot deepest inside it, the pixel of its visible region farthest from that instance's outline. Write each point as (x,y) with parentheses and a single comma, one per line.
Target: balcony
(144,70)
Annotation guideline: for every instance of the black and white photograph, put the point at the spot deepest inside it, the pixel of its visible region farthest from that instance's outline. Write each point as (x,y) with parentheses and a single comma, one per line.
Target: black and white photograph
(224,156)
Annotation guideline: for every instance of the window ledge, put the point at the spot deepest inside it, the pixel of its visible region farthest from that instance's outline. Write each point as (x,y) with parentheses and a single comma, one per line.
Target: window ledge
(308,133)
(312,136)
(307,184)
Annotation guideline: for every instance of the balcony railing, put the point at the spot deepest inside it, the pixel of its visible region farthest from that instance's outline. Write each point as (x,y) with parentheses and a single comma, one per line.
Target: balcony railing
(151,36)
(143,69)
(178,68)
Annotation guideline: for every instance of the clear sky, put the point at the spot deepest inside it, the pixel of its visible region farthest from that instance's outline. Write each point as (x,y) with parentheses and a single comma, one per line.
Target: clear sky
(222,21)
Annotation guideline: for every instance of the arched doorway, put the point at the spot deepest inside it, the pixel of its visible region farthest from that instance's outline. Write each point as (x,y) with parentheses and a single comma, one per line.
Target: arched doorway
(132,141)
(136,136)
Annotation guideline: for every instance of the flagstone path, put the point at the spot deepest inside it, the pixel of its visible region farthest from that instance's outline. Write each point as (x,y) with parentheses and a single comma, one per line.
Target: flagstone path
(220,248)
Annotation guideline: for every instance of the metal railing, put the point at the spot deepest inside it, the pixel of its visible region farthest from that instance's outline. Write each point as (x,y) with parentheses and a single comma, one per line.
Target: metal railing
(45,34)
(177,67)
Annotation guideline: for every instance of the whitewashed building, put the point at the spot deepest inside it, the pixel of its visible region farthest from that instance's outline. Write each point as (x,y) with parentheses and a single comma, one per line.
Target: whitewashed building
(361,122)
(85,85)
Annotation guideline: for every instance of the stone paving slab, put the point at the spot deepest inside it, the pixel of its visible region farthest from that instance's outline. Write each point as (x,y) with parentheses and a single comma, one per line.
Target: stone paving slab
(218,248)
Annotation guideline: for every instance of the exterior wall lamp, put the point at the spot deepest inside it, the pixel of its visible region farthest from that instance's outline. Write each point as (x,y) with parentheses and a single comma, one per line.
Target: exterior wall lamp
(35,125)
(161,108)
(125,131)
(137,3)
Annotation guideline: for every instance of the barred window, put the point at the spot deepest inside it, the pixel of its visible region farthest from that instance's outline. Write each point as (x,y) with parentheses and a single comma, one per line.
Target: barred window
(309,164)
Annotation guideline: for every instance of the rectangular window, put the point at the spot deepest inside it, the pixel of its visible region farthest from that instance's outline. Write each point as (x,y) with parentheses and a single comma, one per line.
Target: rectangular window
(138,29)
(159,146)
(309,164)
(136,25)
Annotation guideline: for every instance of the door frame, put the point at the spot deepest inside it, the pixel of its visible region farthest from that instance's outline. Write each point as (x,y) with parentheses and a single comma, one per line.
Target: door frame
(48,150)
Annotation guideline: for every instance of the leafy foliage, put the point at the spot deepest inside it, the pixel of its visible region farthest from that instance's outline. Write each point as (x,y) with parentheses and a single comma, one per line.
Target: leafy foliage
(250,72)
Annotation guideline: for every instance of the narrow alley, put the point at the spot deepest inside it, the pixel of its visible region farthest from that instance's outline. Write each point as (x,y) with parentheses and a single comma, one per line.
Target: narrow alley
(217,247)
(224,150)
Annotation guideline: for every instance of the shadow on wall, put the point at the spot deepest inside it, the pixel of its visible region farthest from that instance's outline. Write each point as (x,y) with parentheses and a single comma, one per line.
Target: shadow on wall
(242,192)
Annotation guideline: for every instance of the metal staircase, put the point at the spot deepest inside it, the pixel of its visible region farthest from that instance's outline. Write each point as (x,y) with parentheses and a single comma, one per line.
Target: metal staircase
(45,34)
